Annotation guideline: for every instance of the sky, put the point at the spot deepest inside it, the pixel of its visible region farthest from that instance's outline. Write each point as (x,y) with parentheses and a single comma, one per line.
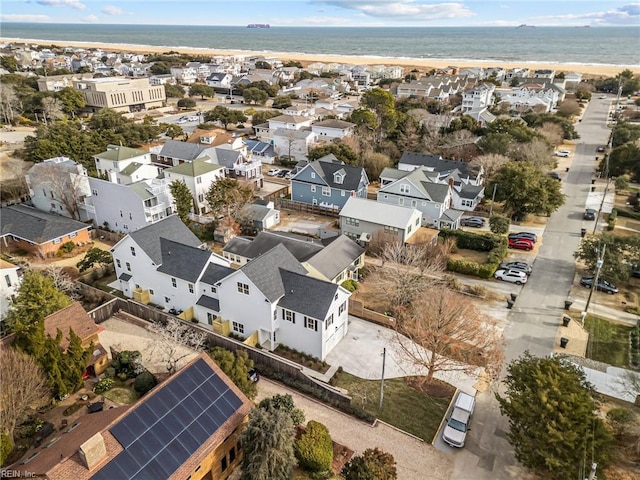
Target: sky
(326,13)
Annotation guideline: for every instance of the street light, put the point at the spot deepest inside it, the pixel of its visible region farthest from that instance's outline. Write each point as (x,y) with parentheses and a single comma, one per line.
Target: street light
(594,284)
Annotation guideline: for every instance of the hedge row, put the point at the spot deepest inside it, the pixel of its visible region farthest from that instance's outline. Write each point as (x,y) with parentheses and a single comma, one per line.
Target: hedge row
(625,212)
(483,242)
(494,256)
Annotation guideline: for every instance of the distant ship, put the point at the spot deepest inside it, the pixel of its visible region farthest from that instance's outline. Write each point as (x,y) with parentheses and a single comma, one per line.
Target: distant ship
(524,25)
(258,25)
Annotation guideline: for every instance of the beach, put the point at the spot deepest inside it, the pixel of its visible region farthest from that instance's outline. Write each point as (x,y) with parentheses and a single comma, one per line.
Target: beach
(421,64)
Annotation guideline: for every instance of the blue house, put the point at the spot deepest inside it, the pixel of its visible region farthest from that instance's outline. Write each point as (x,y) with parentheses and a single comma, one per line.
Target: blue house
(328,182)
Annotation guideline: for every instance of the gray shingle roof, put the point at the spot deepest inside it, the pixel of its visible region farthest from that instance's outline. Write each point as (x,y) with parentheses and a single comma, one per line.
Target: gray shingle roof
(306,295)
(336,256)
(209,302)
(436,162)
(226,157)
(171,228)
(125,276)
(36,226)
(470,191)
(264,271)
(329,164)
(181,150)
(182,261)
(334,123)
(214,273)
(302,248)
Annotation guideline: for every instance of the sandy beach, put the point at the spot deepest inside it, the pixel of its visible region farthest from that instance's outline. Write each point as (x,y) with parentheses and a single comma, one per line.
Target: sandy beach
(422,65)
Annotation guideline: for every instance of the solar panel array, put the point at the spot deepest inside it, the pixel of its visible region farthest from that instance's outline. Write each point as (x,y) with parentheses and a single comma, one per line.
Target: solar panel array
(164,431)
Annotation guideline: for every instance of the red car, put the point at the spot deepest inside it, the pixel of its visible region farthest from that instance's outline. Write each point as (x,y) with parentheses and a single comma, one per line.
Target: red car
(520,244)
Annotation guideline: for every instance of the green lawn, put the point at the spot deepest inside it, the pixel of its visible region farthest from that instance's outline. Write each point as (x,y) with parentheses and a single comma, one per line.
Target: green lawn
(608,341)
(403,407)
(121,395)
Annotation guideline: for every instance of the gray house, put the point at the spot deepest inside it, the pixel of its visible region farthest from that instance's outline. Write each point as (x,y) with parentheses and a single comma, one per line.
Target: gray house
(328,182)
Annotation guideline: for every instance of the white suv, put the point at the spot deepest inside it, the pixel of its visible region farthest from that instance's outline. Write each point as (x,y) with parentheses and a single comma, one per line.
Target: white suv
(455,431)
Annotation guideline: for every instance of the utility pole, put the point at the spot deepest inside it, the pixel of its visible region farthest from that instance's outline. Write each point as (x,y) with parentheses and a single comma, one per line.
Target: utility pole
(493,199)
(594,285)
(384,358)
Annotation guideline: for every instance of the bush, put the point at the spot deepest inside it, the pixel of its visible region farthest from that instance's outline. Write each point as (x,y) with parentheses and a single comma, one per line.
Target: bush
(186,103)
(314,449)
(66,247)
(283,402)
(622,182)
(144,382)
(350,285)
(483,242)
(620,419)
(611,221)
(624,212)
(6,447)
(499,224)
(463,266)
(103,385)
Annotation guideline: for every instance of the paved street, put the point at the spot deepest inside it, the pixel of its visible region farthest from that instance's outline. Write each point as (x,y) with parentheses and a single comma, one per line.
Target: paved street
(533,322)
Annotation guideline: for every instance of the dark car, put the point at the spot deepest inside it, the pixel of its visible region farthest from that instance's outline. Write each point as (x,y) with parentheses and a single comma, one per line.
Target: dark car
(476,222)
(524,236)
(253,375)
(602,286)
(282,173)
(520,244)
(555,176)
(520,266)
(589,214)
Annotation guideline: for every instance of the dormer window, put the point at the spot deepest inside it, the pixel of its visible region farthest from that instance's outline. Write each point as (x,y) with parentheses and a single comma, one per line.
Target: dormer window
(338,178)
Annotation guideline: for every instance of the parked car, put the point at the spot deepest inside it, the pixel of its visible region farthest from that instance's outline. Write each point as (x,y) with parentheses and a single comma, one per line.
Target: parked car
(525,235)
(514,276)
(589,214)
(253,375)
(455,430)
(562,153)
(273,172)
(602,97)
(555,176)
(289,175)
(600,149)
(521,266)
(282,173)
(520,244)
(476,222)
(602,286)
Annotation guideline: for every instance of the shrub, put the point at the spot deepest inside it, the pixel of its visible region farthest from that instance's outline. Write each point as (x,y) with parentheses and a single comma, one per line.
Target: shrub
(350,285)
(283,402)
(625,212)
(478,290)
(314,449)
(66,248)
(103,385)
(463,266)
(611,221)
(622,182)
(487,270)
(499,224)
(373,463)
(482,242)
(6,447)
(186,103)
(144,382)
(620,419)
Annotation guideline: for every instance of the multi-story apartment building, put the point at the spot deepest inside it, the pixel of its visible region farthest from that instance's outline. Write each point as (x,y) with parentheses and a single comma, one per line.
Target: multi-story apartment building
(120,94)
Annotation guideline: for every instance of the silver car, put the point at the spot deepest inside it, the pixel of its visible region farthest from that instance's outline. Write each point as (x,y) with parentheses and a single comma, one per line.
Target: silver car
(514,276)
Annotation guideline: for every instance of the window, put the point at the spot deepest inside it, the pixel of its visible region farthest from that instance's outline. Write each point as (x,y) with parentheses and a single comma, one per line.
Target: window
(329,321)
(417,221)
(120,213)
(289,316)
(224,463)
(390,229)
(199,180)
(94,192)
(401,201)
(342,308)
(174,283)
(118,263)
(311,323)
(404,188)
(414,203)
(385,196)
(352,221)
(73,235)
(190,288)
(313,175)
(243,288)
(232,454)
(167,299)
(57,241)
(326,191)
(128,265)
(338,178)
(133,251)
(214,290)
(130,216)
(313,188)
(53,206)
(151,292)
(467,203)
(7,280)
(275,315)
(342,193)
(201,197)
(210,318)
(237,327)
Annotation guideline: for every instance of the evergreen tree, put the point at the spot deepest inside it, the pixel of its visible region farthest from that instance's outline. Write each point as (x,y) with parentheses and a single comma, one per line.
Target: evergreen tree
(236,366)
(373,464)
(553,418)
(267,442)
(52,363)
(182,198)
(74,362)
(314,449)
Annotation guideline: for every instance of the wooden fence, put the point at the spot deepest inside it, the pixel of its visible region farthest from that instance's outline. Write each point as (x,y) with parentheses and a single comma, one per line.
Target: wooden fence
(356,308)
(305,207)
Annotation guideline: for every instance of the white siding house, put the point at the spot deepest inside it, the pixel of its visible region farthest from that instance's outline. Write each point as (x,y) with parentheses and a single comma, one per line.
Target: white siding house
(198,176)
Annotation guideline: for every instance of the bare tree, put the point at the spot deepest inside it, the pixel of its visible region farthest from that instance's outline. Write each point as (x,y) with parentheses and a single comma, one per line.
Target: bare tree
(67,185)
(406,270)
(552,132)
(374,163)
(177,341)
(52,109)
(442,331)
(490,163)
(629,383)
(9,102)
(62,281)
(537,152)
(24,388)
(12,183)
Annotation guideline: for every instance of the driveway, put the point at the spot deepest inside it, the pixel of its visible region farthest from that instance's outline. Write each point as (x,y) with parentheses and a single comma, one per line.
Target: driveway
(415,459)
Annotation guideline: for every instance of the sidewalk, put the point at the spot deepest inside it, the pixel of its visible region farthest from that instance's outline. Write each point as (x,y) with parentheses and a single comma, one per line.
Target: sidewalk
(608,313)
(415,460)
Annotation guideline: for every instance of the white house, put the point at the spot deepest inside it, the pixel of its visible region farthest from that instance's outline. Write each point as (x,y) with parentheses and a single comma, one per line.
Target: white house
(332,128)
(365,220)
(125,165)
(198,177)
(9,283)
(293,143)
(128,207)
(289,122)
(478,97)
(184,75)
(300,110)
(59,185)
(220,80)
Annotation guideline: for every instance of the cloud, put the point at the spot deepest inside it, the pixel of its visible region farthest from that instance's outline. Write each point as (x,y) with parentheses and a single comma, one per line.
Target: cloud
(406,10)
(25,18)
(112,10)
(628,14)
(63,3)
(90,19)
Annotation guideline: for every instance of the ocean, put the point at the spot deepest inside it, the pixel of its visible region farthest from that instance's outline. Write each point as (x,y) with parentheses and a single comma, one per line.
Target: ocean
(619,46)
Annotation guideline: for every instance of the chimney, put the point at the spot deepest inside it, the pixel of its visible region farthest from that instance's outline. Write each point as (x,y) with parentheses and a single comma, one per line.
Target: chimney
(93,451)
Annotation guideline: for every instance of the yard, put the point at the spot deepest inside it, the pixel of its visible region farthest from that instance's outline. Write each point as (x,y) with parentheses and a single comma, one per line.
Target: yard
(121,395)
(405,405)
(608,341)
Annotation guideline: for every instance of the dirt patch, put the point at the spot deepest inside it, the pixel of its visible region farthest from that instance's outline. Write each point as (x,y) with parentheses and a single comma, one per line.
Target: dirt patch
(627,455)
(533,221)
(470,255)
(436,388)
(370,297)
